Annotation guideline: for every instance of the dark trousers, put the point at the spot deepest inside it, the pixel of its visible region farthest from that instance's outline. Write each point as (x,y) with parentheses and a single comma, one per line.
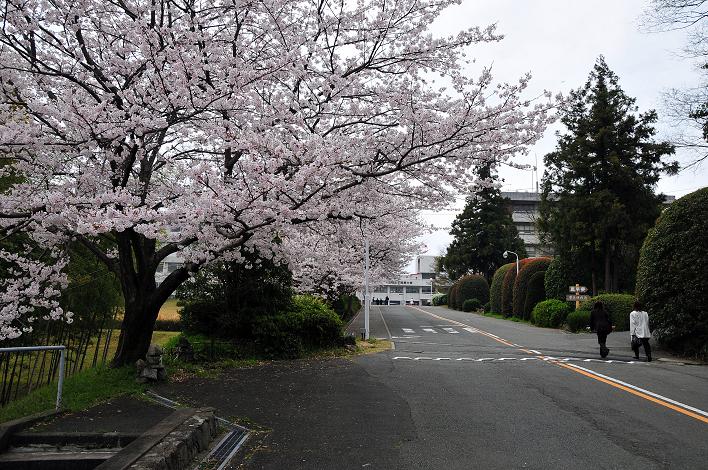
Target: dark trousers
(647,348)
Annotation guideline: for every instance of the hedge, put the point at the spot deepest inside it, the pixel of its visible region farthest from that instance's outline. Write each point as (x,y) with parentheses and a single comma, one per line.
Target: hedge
(521,282)
(495,291)
(619,306)
(507,296)
(557,279)
(473,286)
(550,313)
(671,276)
(536,292)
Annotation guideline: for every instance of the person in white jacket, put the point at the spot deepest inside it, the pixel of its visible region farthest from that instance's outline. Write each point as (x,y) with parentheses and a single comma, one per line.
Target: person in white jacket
(639,330)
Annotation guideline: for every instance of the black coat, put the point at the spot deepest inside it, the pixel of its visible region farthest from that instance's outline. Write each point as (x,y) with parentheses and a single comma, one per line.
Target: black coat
(600,321)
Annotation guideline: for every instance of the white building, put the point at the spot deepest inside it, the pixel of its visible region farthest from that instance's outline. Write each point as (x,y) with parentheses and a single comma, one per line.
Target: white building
(525,210)
(412,289)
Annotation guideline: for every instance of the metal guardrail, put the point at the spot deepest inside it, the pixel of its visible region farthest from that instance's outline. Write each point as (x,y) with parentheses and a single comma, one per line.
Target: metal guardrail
(62,364)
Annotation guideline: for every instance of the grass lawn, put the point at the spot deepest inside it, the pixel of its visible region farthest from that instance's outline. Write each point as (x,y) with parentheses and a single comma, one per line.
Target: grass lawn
(84,388)
(168,311)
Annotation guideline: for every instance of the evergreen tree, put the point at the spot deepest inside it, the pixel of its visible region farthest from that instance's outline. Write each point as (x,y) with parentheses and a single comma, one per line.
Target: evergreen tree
(482,232)
(598,196)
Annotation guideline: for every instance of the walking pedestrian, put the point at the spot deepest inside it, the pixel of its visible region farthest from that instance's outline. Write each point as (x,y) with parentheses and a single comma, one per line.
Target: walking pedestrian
(386,300)
(639,330)
(601,323)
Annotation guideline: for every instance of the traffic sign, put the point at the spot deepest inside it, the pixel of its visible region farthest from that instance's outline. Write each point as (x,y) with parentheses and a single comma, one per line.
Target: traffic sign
(576,289)
(576,297)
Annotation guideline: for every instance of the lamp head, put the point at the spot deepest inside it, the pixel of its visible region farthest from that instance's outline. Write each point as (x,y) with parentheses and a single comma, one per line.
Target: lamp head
(506,253)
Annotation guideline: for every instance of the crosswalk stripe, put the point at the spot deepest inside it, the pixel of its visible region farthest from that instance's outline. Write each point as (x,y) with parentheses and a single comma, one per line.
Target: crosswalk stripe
(407,330)
(451,330)
(429,330)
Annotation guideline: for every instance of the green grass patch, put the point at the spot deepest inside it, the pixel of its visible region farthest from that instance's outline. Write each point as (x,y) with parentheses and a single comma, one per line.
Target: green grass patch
(502,317)
(81,391)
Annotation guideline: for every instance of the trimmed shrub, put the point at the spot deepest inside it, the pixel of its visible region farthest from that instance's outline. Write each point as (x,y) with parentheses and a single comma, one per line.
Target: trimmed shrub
(473,286)
(471,305)
(451,295)
(346,306)
(203,316)
(578,320)
(487,307)
(521,283)
(557,279)
(550,313)
(439,299)
(308,323)
(495,291)
(619,306)
(671,277)
(535,292)
(507,295)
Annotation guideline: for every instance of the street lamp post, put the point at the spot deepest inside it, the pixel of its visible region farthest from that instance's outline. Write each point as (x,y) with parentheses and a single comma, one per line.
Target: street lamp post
(506,253)
(366,288)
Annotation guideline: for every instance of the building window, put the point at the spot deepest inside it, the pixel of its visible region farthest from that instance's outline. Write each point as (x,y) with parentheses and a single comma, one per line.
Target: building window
(412,290)
(427,290)
(428,275)
(171,267)
(381,289)
(396,289)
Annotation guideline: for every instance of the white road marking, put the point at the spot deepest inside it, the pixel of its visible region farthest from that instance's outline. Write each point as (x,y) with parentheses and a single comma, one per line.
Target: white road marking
(451,330)
(429,330)
(471,330)
(534,351)
(521,359)
(408,330)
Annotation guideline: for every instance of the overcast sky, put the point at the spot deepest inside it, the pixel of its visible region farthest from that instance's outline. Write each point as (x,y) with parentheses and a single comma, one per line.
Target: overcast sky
(558,43)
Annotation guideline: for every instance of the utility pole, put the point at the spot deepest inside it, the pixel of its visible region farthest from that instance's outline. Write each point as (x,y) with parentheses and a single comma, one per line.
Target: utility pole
(367,301)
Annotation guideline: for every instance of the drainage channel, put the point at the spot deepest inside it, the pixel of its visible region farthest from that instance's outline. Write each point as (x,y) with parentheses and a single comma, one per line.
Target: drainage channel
(227,447)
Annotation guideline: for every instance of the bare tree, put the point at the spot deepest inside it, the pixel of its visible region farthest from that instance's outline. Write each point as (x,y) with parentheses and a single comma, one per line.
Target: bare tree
(687,107)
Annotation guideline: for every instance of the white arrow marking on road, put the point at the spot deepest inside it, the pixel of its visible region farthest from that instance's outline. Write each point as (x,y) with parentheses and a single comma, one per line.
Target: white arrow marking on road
(451,330)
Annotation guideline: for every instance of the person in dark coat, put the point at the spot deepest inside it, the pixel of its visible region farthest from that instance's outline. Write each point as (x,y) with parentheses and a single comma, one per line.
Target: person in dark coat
(601,323)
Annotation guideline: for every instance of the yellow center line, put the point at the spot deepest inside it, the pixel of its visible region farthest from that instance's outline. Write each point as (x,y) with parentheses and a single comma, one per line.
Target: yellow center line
(578,371)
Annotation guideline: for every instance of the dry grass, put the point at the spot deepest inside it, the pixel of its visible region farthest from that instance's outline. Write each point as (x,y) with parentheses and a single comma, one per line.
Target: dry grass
(169,311)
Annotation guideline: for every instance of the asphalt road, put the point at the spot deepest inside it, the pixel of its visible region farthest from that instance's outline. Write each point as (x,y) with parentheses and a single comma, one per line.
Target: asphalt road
(489,393)
(463,391)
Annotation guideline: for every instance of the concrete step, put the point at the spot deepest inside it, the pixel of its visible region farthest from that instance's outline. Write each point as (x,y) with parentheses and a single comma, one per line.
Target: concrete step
(29,458)
(86,440)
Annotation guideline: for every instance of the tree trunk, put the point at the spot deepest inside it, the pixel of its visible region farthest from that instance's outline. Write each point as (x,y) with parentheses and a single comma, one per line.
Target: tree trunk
(608,271)
(138,261)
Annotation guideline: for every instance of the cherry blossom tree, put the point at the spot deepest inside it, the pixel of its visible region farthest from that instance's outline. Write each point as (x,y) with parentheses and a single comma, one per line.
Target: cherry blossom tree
(201,127)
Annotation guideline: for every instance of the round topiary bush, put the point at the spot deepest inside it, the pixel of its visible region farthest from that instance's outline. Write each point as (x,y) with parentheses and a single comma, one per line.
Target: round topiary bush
(550,313)
(557,279)
(578,320)
(619,306)
(507,295)
(473,286)
(535,293)
(495,291)
(521,283)
(671,276)
(471,305)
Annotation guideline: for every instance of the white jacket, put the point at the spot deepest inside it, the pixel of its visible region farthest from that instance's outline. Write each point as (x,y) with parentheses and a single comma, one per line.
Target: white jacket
(639,324)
